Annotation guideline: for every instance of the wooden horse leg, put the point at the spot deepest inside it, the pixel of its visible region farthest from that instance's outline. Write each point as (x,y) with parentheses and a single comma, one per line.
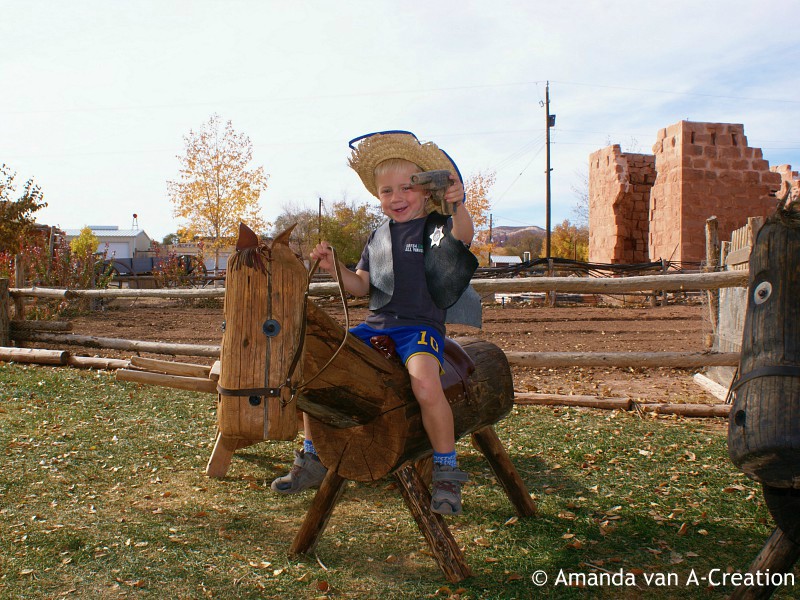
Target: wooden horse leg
(318,514)
(444,547)
(778,555)
(489,444)
(424,467)
(221,456)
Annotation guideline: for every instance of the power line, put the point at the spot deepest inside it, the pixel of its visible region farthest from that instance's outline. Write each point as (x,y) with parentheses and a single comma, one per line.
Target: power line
(523,223)
(521,151)
(530,162)
(674,93)
(273,99)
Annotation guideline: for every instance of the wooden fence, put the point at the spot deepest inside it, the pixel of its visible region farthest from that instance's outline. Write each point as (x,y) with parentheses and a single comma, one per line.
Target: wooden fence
(667,282)
(727,306)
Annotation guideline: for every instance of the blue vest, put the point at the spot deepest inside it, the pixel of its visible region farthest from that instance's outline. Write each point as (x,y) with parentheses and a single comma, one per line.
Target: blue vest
(449,266)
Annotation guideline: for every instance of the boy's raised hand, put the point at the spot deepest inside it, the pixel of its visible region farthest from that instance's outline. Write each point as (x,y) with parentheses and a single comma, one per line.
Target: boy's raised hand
(455,191)
(354,283)
(324,253)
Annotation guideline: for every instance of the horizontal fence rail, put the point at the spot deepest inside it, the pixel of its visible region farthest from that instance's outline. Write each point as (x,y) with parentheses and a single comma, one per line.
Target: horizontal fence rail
(89,341)
(684,360)
(648,283)
(524,359)
(589,285)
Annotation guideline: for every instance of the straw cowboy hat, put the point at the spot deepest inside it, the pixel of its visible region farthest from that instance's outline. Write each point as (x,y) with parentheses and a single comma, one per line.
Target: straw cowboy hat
(374,148)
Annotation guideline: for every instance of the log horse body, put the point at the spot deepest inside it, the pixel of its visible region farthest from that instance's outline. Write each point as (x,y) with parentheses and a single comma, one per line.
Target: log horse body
(281,353)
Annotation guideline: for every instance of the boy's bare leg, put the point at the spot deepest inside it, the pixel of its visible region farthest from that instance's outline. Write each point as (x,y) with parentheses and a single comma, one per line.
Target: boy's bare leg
(437,416)
(307,427)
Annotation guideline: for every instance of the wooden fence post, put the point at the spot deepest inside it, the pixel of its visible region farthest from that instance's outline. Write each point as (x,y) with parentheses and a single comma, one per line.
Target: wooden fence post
(51,245)
(551,296)
(754,224)
(712,261)
(19,281)
(5,337)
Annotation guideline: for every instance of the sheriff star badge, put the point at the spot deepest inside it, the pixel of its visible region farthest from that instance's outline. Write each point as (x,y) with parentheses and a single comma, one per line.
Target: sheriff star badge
(437,236)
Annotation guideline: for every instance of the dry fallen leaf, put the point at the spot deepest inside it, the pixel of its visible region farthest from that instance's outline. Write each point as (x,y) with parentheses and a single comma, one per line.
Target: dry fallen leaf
(444,591)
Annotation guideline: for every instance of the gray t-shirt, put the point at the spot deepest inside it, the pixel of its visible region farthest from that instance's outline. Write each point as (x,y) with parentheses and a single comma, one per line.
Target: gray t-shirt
(411,303)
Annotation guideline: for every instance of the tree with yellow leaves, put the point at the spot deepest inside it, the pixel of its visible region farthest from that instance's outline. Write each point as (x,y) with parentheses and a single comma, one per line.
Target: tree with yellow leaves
(85,244)
(217,189)
(569,241)
(477,188)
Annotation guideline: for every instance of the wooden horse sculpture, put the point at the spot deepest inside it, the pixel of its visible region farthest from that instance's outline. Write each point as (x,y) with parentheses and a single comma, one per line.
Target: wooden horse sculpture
(280,352)
(764,422)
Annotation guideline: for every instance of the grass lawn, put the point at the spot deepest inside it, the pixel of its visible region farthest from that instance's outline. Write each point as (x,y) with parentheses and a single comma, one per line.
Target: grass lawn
(103,494)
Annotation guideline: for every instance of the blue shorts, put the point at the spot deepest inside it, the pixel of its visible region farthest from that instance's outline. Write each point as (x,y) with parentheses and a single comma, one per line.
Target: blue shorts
(408,341)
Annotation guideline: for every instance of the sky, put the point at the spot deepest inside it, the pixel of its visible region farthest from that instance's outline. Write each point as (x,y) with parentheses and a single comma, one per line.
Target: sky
(98,95)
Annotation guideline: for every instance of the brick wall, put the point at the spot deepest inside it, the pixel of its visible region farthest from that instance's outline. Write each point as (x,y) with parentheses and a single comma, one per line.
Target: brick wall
(786,173)
(704,169)
(619,192)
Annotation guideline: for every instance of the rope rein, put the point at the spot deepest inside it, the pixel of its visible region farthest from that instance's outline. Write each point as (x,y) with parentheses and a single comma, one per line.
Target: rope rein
(297,389)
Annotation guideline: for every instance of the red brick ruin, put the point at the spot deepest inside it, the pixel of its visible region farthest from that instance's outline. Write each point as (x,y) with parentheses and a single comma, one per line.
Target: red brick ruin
(619,200)
(650,207)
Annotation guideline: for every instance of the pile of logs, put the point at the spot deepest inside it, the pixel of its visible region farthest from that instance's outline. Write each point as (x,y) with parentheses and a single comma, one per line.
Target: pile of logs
(166,373)
(660,408)
(59,358)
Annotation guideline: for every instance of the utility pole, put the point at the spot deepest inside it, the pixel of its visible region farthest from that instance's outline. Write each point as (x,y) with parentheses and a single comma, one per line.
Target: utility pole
(490,239)
(550,122)
(319,223)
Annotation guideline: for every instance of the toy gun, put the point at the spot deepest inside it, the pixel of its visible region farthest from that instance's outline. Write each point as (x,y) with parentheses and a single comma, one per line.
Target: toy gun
(436,182)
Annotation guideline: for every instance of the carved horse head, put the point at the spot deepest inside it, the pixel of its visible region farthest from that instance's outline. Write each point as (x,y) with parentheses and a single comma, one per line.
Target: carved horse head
(260,355)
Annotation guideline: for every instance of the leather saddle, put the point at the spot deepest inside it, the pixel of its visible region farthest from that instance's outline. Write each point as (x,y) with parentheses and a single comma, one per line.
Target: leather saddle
(458,365)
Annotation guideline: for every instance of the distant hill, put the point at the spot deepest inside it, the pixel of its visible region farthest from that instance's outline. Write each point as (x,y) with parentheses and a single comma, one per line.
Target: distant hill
(502,234)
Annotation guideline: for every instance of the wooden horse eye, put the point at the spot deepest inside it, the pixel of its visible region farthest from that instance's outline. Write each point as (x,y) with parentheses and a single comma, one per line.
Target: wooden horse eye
(763,292)
(271,328)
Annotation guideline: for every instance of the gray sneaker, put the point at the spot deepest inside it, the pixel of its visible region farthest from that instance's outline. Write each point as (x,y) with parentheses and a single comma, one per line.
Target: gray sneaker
(446,494)
(307,472)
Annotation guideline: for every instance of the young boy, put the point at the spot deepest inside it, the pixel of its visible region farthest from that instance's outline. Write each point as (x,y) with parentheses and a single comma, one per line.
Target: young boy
(408,303)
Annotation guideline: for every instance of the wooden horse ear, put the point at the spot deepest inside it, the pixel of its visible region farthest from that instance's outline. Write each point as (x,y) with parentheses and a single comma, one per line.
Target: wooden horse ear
(283,237)
(247,238)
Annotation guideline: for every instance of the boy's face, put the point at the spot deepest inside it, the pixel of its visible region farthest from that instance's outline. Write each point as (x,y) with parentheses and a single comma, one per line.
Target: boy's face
(400,201)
